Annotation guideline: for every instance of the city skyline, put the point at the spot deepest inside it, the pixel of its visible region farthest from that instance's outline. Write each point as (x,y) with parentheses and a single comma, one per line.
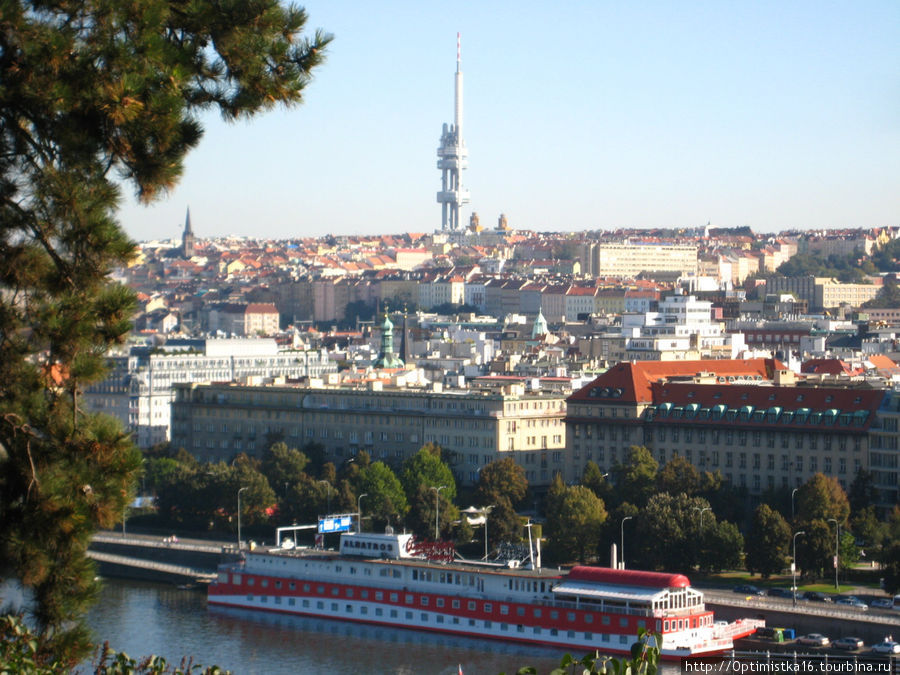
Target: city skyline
(577,117)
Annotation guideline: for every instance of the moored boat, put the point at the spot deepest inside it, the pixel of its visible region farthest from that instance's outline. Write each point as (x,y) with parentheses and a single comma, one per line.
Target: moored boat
(392,579)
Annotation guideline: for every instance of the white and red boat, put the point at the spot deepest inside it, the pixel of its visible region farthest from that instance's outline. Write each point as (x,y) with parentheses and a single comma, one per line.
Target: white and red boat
(392,580)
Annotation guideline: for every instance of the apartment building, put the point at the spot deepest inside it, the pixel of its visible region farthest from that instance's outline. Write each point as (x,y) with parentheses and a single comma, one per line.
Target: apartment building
(243,320)
(217,421)
(139,388)
(823,292)
(629,259)
(747,419)
(833,294)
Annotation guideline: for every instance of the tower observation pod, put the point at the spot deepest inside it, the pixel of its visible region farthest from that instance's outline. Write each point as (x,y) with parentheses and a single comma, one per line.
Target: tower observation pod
(452,159)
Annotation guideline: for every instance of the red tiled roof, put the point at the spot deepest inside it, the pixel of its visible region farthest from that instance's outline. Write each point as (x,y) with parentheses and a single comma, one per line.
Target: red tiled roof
(882,362)
(828,367)
(737,396)
(634,379)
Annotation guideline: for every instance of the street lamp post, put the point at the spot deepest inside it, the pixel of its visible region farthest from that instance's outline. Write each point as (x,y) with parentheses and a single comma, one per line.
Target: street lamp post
(239,517)
(486,510)
(793,492)
(359,512)
(622,539)
(702,511)
(699,540)
(437,491)
(794,566)
(837,540)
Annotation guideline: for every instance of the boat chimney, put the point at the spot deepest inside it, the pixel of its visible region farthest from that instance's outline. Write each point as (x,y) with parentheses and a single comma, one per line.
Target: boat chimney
(613,557)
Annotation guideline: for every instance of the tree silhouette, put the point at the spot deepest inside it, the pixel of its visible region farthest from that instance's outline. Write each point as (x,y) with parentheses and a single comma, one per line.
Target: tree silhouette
(97,96)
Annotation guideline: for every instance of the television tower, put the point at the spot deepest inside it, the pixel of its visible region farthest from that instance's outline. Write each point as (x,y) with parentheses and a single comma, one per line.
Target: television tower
(453,158)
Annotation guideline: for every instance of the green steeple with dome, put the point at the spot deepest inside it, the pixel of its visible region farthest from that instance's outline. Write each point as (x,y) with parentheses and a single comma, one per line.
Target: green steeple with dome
(386,358)
(540,326)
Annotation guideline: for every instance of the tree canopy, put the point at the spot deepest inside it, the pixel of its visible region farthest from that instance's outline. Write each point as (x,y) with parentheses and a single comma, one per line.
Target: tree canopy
(427,468)
(635,477)
(385,500)
(574,518)
(502,479)
(94,96)
(821,498)
(767,542)
(678,475)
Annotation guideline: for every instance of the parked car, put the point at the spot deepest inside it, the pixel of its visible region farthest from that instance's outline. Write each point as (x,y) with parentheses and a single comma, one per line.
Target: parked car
(881,603)
(848,643)
(780,593)
(886,647)
(814,640)
(816,596)
(748,589)
(852,602)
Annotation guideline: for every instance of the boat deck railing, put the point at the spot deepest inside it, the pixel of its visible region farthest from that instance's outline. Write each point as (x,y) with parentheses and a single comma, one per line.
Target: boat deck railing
(597,607)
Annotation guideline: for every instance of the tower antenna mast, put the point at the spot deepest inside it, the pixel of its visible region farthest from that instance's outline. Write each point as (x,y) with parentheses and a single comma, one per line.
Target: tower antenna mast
(453,157)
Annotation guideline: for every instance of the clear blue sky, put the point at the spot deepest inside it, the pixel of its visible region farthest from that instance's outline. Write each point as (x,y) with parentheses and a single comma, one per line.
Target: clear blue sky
(578,115)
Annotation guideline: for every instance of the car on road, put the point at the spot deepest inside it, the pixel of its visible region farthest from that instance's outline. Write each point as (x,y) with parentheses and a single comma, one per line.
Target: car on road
(747,589)
(852,602)
(780,593)
(881,603)
(816,596)
(814,640)
(848,643)
(886,647)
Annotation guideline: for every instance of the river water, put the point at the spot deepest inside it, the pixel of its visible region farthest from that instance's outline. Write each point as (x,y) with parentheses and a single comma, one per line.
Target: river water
(142,619)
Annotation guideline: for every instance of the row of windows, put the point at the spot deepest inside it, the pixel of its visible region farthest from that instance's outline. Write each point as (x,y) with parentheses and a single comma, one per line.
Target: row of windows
(614,431)
(800,440)
(439,602)
(424,617)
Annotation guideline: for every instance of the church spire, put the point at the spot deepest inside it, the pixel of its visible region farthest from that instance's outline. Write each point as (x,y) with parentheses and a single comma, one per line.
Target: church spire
(188,247)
